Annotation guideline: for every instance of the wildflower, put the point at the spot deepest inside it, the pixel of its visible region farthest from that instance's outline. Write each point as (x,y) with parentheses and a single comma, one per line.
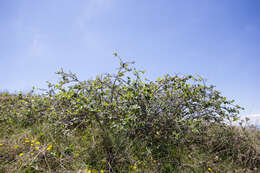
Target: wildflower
(1,145)
(134,167)
(210,170)
(101,171)
(49,147)
(33,140)
(217,158)
(16,146)
(27,140)
(32,144)
(37,148)
(37,142)
(21,154)
(94,171)
(89,171)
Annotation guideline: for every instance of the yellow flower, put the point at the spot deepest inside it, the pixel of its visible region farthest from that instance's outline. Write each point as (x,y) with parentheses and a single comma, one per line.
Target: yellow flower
(89,171)
(1,145)
(134,167)
(32,144)
(33,140)
(37,142)
(27,140)
(94,171)
(101,171)
(210,170)
(16,146)
(49,147)
(37,148)
(21,154)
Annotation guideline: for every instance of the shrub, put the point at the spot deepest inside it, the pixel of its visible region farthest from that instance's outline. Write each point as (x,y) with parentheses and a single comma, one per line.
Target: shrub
(134,123)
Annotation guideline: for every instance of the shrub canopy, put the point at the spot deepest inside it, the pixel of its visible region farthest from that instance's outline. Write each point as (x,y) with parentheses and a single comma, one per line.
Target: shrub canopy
(129,110)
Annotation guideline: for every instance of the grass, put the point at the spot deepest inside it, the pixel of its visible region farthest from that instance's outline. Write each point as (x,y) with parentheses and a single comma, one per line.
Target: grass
(41,147)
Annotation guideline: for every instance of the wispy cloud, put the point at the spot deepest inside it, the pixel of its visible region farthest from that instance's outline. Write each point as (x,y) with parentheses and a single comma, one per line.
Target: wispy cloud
(37,46)
(92,9)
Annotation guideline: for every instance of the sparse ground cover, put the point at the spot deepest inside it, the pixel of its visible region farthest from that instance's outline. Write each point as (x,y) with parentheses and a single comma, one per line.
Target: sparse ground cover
(125,123)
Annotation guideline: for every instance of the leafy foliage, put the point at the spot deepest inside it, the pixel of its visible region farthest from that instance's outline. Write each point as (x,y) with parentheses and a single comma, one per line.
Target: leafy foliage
(125,122)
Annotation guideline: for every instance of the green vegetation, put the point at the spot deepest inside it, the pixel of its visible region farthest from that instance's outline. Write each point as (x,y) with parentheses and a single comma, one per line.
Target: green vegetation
(124,122)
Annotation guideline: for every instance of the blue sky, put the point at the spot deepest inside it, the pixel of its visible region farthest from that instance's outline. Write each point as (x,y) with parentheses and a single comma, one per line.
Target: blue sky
(218,39)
